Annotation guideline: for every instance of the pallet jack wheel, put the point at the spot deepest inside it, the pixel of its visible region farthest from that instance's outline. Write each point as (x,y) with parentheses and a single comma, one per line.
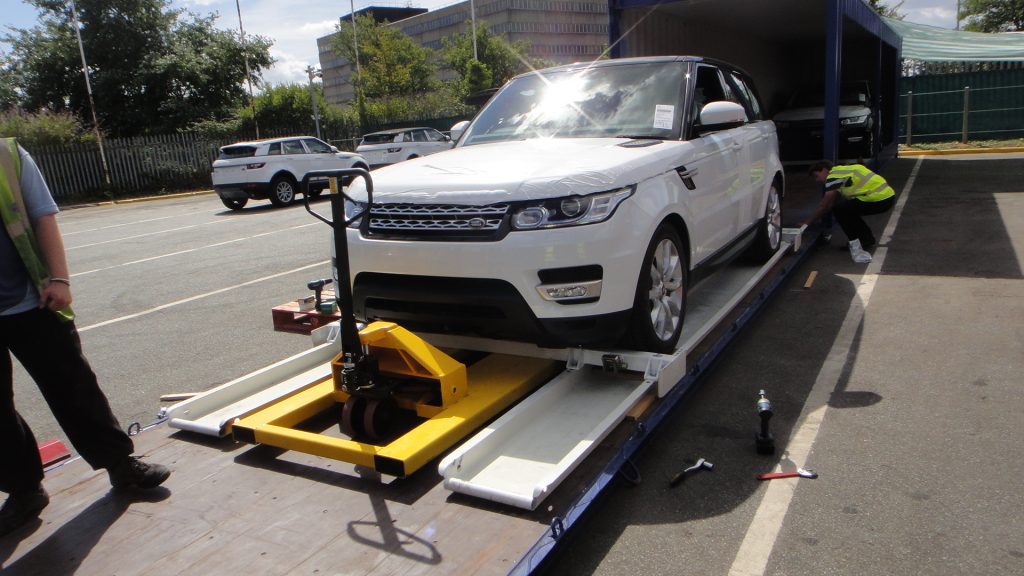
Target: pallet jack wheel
(380,417)
(371,418)
(352,416)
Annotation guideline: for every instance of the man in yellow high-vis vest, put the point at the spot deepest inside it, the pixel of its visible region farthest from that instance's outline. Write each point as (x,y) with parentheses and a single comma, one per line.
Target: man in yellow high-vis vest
(851,192)
(37,327)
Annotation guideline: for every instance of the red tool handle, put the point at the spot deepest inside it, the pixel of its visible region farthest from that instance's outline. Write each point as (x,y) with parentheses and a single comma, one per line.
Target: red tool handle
(774,475)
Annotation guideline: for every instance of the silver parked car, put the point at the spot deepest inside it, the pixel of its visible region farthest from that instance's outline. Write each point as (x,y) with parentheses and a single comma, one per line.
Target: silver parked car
(390,146)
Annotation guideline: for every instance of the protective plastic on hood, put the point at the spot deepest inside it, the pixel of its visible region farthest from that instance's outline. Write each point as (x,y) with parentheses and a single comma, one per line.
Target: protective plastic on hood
(534,169)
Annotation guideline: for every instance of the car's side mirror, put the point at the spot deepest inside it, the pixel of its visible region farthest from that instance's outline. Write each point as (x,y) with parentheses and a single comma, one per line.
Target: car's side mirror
(458,129)
(334,148)
(721,115)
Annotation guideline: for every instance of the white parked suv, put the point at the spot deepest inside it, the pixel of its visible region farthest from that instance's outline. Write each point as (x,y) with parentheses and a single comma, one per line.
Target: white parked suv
(390,146)
(274,168)
(577,209)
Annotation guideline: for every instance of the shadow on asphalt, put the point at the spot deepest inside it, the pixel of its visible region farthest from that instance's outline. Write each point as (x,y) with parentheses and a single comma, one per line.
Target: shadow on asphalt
(782,352)
(952,226)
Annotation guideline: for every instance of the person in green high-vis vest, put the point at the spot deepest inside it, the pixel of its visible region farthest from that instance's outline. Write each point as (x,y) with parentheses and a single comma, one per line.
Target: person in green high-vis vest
(37,327)
(852,191)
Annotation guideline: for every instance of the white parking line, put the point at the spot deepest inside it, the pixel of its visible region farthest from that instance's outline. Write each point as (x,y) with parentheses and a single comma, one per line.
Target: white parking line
(198,297)
(179,252)
(66,234)
(759,541)
(111,241)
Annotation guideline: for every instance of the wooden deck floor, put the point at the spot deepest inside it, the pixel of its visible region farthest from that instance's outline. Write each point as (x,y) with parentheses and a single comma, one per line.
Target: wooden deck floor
(235,508)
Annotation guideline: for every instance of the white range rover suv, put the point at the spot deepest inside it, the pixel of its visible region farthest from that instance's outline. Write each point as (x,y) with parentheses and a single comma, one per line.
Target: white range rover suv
(391,146)
(274,168)
(577,208)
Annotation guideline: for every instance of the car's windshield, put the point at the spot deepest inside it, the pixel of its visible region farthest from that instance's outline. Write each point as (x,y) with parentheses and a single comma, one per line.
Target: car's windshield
(849,95)
(379,138)
(237,151)
(634,100)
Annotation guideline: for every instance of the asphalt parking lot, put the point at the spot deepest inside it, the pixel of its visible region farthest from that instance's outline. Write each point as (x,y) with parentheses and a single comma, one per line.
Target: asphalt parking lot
(897,382)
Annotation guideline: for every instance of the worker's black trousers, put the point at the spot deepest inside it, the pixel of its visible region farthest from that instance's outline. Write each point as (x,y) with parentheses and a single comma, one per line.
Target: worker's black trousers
(50,350)
(849,212)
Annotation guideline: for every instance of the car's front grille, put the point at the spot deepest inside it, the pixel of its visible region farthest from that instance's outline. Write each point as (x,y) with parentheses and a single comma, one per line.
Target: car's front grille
(437,221)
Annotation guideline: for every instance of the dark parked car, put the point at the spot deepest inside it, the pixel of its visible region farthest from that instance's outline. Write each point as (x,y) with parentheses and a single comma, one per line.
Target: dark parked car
(801,125)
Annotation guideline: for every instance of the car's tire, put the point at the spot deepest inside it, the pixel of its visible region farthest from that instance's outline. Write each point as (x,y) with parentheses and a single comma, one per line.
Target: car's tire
(347,181)
(282,190)
(769,228)
(316,192)
(234,204)
(660,301)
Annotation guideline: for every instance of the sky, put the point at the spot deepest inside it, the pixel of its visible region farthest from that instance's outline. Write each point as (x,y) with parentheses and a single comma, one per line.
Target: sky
(295,25)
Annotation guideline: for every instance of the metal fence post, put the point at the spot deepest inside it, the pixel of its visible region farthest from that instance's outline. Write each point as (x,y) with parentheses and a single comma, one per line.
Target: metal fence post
(967,94)
(910,117)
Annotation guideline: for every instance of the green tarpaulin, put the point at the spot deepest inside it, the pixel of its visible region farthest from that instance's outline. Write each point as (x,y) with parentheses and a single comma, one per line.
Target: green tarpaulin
(931,44)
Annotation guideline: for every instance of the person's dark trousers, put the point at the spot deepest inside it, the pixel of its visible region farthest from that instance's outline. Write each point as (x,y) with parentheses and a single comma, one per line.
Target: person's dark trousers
(849,212)
(51,351)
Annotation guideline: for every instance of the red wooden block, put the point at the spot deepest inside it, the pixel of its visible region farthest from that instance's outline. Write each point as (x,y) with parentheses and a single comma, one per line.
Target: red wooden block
(53,452)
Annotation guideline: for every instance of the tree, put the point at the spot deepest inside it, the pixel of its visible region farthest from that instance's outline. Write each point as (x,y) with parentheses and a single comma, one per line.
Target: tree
(152,69)
(391,64)
(500,58)
(886,10)
(993,15)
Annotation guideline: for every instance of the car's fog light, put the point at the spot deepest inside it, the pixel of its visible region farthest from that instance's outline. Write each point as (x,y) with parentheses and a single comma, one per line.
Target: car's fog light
(530,217)
(571,292)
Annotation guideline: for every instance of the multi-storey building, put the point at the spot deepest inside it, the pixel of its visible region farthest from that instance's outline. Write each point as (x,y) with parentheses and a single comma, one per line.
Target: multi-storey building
(558,32)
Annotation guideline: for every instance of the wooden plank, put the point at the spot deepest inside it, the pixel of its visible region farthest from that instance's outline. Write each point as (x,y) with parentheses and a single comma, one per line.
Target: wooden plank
(229,507)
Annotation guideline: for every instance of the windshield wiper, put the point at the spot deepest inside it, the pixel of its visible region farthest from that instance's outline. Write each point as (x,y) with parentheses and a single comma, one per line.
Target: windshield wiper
(641,137)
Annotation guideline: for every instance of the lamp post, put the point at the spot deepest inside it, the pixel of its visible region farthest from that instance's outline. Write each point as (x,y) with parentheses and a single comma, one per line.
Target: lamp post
(957,14)
(88,91)
(314,73)
(472,16)
(248,77)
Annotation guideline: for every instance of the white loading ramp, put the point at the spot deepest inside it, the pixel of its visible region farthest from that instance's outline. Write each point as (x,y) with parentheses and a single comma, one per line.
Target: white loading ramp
(524,455)
(212,412)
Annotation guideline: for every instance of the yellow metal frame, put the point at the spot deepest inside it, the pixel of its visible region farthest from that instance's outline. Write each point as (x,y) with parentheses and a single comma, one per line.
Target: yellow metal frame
(498,381)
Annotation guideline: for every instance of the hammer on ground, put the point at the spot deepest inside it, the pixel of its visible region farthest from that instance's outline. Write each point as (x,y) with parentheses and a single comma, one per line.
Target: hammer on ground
(317,286)
(701,464)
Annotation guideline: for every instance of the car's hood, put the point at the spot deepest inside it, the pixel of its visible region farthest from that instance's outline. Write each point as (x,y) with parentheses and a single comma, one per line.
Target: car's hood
(522,170)
(818,113)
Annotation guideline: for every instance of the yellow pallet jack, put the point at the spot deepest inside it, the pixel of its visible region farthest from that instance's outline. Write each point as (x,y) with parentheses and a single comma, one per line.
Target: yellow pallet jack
(399,401)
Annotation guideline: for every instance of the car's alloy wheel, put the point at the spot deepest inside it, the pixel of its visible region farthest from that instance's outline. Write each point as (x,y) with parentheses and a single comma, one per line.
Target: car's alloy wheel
(769,233)
(282,191)
(660,302)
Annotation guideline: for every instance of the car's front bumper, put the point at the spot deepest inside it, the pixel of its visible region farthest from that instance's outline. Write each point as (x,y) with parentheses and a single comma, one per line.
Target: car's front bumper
(491,288)
(804,142)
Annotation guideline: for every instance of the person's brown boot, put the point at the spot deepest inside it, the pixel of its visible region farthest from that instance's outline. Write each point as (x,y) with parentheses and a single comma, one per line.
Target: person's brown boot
(21,507)
(133,472)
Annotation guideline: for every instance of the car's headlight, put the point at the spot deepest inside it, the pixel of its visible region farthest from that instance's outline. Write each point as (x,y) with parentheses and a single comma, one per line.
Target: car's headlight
(854,120)
(570,210)
(353,209)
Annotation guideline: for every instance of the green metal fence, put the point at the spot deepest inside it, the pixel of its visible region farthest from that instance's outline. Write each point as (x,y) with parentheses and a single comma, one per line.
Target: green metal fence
(961,107)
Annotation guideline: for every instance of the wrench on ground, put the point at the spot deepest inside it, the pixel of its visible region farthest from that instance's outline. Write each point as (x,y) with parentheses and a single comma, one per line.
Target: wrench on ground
(800,473)
(701,464)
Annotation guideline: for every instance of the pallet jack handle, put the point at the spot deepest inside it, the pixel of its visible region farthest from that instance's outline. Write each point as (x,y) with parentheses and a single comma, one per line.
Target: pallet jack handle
(350,343)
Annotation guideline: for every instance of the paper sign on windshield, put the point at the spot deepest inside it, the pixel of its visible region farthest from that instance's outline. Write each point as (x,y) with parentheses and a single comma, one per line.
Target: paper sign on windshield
(663,114)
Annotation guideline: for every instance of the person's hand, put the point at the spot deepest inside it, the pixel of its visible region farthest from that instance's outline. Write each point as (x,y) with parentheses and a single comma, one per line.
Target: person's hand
(56,296)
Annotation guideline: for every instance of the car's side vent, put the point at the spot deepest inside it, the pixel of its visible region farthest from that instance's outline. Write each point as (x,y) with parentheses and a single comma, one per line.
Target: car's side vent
(687,177)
